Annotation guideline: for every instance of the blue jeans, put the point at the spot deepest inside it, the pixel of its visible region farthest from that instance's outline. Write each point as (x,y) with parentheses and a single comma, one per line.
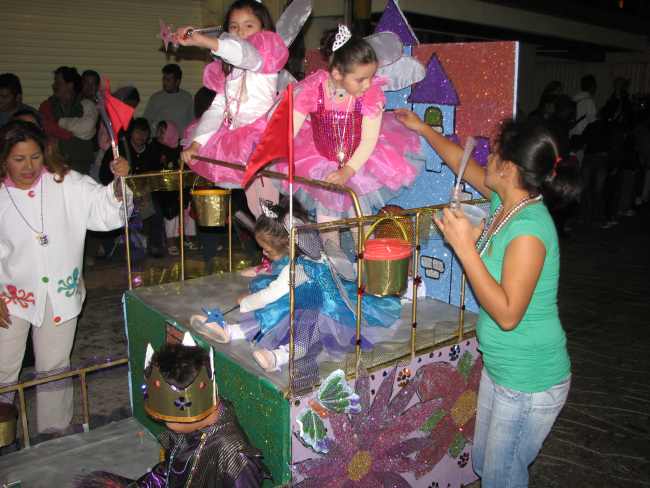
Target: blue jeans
(510,429)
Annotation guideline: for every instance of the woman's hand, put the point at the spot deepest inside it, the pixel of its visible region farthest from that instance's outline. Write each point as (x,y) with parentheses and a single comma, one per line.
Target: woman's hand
(190,152)
(5,321)
(197,39)
(340,176)
(120,167)
(458,230)
(409,119)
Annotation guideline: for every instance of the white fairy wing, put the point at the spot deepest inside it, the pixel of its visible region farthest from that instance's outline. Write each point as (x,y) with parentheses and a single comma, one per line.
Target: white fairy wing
(402,73)
(387,47)
(292,19)
(284,80)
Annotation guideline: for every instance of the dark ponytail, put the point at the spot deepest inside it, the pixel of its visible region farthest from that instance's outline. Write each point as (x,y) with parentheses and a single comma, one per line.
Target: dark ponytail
(542,168)
(354,52)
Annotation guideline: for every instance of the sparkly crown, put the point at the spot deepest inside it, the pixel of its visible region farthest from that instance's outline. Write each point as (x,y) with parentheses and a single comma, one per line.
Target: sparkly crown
(169,403)
(342,36)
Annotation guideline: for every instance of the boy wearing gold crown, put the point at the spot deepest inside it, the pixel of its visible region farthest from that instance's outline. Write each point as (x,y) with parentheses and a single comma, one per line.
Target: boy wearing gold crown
(204,446)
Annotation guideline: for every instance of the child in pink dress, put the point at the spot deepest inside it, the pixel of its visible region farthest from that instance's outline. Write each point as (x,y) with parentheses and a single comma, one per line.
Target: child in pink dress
(343,135)
(245,79)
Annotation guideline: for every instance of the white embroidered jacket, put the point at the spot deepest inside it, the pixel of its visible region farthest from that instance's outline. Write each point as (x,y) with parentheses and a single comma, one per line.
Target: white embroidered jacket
(30,272)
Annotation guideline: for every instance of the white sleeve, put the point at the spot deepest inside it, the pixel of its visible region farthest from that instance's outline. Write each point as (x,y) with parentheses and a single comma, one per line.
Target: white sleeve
(211,120)
(238,52)
(276,290)
(83,127)
(105,212)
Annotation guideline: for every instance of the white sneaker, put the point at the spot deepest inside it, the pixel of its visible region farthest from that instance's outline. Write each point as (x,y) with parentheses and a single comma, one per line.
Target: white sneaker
(272,361)
(219,334)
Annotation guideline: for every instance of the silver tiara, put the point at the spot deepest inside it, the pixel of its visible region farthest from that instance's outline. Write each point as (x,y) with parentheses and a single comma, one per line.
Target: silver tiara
(266,209)
(342,36)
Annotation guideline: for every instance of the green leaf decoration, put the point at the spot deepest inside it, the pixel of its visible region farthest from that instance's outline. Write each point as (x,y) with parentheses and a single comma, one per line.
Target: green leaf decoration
(465,364)
(336,395)
(312,431)
(457,445)
(432,421)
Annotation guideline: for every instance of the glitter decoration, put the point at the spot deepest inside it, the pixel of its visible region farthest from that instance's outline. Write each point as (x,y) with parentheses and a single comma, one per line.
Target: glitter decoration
(482,150)
(451,426)
(376,445)
(436,87)
(403,377)
(393,20)
(483,75)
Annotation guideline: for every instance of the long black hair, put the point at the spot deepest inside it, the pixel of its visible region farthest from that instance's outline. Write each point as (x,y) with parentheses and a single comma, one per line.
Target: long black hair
(258,9)
(274,228)
(543,168)
(356,51)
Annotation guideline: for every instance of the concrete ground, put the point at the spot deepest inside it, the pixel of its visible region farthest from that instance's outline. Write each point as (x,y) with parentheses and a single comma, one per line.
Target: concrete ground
(602,437)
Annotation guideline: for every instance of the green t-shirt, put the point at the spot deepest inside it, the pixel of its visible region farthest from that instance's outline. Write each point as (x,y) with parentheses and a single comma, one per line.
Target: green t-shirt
(533,356)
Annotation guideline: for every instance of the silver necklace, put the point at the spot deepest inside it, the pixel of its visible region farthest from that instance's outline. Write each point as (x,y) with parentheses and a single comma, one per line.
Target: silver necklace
(489,232)
(340,153)
(41,236)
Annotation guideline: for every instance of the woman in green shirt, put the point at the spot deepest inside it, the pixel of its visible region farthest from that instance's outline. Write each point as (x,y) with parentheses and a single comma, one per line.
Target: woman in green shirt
(512,264)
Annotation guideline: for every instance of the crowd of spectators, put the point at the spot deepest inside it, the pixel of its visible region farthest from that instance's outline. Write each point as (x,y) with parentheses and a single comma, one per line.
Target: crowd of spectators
(610,144)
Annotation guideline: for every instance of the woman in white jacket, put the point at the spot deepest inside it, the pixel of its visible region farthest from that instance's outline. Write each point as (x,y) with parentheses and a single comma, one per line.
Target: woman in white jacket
(45,211)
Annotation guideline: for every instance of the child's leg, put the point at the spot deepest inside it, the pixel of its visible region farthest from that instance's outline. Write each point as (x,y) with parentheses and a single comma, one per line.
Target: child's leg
(332,246)
(261,189)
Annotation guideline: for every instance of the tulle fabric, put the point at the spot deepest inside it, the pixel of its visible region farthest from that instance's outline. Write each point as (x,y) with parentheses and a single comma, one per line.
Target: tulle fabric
(233,146)
(393,165)
(323,318)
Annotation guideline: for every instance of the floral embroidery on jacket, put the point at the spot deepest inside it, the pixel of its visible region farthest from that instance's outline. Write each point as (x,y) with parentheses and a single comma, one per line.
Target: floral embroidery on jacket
(70,286)
(19,297)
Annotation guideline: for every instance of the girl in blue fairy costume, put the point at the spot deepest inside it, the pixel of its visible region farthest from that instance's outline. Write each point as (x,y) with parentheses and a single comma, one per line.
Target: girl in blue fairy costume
(325,303)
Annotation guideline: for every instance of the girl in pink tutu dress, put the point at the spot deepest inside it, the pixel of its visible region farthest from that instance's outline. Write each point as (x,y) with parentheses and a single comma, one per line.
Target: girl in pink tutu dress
(343,135)
(245,76)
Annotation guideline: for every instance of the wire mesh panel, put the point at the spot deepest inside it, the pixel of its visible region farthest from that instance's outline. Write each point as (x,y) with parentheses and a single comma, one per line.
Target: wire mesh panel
(327,287)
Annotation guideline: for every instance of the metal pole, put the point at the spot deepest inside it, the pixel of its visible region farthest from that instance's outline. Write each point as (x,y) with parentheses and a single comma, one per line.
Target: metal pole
(181,221)
(416,278)
(23,417)
(292,305)
(461,310)
(84,401)
(230,232)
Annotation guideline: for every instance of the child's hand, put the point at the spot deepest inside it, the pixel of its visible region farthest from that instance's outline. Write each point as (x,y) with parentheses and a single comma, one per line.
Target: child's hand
(120,167)
(190,152)
(340,176)
(409,119)
(197,39)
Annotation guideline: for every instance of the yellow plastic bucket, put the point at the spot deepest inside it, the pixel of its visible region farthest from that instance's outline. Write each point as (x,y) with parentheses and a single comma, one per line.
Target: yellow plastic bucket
(211,206)
(386,262)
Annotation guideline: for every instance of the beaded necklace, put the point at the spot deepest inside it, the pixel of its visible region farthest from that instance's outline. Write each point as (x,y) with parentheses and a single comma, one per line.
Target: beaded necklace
(490,230)
(194,457)
(340,153)
(229,117)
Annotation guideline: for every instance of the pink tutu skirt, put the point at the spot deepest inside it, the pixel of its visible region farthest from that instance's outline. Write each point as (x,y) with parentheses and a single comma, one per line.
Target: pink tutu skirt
(232,146)
(393,166)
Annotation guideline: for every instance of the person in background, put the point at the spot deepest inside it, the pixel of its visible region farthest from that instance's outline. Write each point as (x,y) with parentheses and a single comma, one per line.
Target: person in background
(513,265)
(136,148)
(48,209)
(11,97)
(65,102)
(586,112)
(170,103)
(85,127)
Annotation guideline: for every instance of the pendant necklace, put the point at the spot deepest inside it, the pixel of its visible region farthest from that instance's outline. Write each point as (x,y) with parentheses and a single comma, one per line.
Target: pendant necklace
(229,117)
(340,153)
(41,236)
(490,230)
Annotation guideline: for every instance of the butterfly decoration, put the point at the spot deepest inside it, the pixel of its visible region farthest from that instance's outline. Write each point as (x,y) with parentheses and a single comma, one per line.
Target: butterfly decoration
(333,396)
